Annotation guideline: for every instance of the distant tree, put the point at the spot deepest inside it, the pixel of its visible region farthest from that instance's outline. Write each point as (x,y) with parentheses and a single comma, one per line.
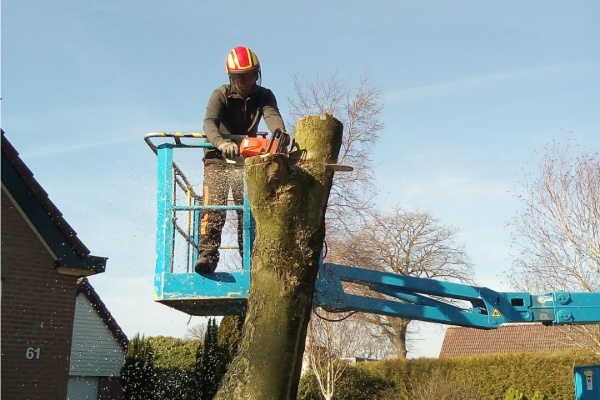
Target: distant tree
(197,331)
(406,243)
(210,363)
(137,375)
(358,108)
(557,234)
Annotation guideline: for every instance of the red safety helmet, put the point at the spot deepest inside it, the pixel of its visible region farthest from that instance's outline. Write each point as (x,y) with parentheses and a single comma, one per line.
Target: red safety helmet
(241,60)
(243,69)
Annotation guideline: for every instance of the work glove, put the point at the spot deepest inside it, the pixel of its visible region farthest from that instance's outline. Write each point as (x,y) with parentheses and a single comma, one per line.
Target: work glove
(229,149)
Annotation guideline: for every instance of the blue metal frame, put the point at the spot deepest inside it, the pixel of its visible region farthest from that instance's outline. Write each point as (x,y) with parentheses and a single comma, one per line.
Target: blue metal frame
(221,293)
(225,293)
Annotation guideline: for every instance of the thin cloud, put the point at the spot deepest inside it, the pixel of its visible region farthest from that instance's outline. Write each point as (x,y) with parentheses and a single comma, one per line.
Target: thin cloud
(479,82)
(55,149)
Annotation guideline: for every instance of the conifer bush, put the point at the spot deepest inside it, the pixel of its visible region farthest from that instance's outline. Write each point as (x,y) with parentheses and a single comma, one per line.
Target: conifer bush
(137,375)
(211,363)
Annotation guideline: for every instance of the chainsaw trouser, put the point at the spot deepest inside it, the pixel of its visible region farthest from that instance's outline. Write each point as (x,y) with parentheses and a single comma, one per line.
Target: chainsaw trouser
(218,179)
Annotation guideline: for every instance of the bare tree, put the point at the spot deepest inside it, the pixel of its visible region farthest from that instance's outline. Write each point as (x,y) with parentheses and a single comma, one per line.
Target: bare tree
(406,243)
(331,340)
(326,343)
(197,331)
(358,109)
(557,233)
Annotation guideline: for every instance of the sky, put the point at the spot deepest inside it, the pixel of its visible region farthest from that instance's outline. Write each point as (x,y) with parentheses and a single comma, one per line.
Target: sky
(472,92)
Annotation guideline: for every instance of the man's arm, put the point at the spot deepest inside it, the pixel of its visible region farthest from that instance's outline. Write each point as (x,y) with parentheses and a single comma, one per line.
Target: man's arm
(212,118)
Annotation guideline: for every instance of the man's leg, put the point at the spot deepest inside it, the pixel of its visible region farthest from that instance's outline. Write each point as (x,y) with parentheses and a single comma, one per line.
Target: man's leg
(215,190)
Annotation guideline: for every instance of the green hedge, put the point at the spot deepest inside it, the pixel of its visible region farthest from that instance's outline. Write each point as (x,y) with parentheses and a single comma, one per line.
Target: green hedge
(537,375)
(170,352)
(484,377)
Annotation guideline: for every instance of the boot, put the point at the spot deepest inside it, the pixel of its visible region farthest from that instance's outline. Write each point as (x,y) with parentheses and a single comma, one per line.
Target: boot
(206,264)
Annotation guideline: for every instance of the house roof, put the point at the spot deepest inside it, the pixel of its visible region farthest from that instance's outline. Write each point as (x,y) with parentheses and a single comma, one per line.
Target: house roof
(84,287)
(510,338)
(70,254)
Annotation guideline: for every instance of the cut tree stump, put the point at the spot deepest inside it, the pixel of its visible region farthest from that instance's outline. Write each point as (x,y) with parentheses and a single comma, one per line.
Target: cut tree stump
(288,198)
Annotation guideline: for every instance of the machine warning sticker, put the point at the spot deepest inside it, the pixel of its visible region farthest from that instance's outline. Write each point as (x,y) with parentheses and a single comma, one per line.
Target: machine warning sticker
(588,379)
(496,313)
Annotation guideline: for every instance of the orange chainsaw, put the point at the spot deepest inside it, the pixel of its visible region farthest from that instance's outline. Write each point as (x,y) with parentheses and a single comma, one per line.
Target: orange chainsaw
(256,146)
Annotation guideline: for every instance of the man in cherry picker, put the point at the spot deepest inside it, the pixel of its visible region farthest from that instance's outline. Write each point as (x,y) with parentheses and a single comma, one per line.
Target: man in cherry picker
(233,109)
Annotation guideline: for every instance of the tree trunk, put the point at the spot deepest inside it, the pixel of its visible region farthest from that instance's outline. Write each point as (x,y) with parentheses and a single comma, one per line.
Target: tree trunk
(288,198)
(400,329)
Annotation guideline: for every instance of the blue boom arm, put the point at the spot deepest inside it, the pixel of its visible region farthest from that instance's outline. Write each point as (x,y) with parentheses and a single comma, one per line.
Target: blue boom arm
(428,300)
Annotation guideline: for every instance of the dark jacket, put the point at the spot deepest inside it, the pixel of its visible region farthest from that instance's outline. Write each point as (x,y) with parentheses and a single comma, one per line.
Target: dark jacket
(229,113)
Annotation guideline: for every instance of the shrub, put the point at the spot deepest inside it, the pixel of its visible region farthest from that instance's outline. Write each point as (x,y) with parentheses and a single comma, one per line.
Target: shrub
(538,396)
(308,389)
(175,384)
(514,394)
(360,384)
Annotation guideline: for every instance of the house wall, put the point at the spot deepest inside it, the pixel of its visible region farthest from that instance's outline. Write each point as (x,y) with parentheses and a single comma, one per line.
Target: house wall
(38,306)
(94,352)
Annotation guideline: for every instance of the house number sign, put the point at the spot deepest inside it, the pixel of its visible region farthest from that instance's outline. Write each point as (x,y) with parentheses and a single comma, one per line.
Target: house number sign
(32,353)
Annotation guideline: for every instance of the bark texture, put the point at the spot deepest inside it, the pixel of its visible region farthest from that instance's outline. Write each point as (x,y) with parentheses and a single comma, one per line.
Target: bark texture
(288,198)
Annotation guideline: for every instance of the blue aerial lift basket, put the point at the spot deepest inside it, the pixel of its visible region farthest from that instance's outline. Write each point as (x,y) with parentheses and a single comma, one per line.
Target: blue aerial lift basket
(179,209)
(225,292)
